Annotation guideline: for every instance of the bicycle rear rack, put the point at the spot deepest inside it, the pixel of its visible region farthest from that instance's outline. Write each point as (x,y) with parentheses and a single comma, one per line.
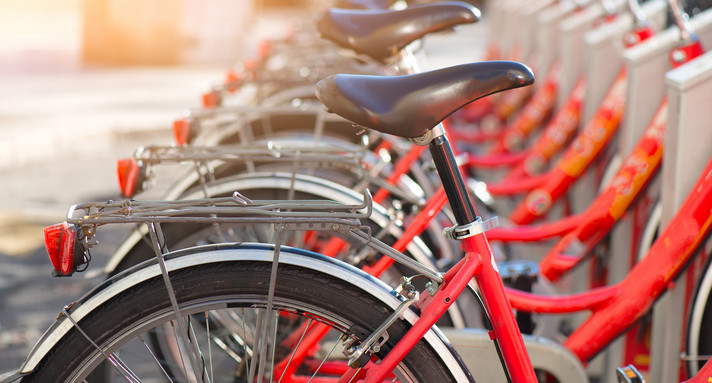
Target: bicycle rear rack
(266,152)
(234,209)
(286,215)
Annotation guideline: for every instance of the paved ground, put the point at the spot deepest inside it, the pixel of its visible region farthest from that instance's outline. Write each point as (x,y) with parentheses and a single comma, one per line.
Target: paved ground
(64,125)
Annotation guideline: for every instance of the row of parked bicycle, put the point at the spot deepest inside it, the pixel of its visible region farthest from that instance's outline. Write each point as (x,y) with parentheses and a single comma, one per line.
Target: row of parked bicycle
(312,238)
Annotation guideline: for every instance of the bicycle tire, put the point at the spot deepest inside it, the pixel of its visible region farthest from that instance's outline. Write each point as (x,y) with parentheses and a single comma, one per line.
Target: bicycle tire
(230,284)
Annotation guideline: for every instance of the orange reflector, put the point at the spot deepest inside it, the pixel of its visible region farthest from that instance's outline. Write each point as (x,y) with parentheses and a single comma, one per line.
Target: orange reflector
(60,242)
(181,131)
(263,48)
(232,81)
(130,175)
(249,65)
(211,100)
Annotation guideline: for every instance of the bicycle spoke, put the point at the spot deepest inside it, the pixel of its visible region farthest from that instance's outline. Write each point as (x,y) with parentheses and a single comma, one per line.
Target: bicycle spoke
(289,362)
(697,357)
(274,344)
(155,359)
(232,324)
(210,348)
(257,346)
(196,346)
(127,373)
(270,317)
(323,361)
(178,342)
(115,362)
(244,336)
(182,333)
(355,374)
(263,343)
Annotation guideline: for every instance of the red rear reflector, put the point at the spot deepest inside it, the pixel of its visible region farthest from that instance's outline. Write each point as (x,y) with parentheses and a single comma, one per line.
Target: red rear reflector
(60,242)
(232,81)
(635,36)
(685,53)
(263,49)
(181,131)
(130,176)
(249,65)
(211,100)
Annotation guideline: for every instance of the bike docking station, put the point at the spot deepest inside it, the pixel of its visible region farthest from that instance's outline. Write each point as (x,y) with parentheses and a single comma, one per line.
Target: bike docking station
(548,34)
(649,65)
(529,25)
(606,49)
(602,48)
(689,89)
(597,50)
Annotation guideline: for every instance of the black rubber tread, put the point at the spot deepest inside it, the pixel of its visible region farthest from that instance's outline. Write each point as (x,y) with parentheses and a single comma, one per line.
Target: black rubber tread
(220,280)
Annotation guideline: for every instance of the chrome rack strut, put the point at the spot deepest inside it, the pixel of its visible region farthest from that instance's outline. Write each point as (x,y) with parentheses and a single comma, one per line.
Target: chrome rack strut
(182,326)
(115,361)
(263,342)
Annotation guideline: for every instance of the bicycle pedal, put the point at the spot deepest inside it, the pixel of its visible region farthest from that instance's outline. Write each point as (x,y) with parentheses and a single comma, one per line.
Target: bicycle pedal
(629,374)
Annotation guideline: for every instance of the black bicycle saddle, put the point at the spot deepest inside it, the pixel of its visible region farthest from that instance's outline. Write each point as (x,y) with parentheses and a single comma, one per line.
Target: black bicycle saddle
(409,106)
(382,33)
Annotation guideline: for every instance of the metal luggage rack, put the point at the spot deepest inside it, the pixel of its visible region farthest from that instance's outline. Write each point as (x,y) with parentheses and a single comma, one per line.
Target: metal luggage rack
(285,215)
(313,157)
(245,113)
(321,215)
(221,124)
(266,152)
(254,110)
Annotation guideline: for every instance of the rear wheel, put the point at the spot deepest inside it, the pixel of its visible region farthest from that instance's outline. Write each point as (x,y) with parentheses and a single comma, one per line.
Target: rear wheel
(231,298)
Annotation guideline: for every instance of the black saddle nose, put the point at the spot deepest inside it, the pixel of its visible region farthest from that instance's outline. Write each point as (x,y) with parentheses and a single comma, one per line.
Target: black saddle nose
(409,106)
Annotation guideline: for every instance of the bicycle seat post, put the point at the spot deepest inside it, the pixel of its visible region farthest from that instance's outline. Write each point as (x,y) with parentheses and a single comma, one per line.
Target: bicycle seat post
(451,178)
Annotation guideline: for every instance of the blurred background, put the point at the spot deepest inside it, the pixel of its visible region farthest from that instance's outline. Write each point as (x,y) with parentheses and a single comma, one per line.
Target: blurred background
(83,83)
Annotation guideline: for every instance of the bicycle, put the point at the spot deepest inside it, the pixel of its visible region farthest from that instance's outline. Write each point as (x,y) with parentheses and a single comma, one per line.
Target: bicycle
(474,262)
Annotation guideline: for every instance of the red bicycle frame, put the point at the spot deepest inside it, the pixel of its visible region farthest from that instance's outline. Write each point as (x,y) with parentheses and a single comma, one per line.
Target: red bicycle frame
(578,157)
(610,205)
(478,263)
(615,308)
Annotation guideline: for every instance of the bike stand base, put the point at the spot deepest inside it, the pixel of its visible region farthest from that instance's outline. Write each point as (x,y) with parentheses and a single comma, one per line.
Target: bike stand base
(479,354)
